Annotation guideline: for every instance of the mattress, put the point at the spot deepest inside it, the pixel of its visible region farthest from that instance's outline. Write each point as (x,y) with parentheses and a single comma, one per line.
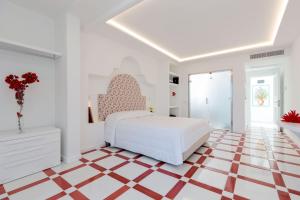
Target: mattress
(163,138)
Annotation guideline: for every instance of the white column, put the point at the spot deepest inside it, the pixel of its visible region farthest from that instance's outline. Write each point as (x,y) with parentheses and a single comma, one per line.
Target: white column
(67,75)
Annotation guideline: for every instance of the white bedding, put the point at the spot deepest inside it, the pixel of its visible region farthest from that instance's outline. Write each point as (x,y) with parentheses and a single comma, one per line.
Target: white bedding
(163,138)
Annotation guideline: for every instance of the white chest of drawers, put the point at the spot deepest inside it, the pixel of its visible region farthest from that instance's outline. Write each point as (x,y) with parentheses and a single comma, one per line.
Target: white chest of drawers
(29,152)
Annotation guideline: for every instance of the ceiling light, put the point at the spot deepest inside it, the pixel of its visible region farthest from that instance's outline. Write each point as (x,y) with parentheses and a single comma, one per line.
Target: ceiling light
(150,43)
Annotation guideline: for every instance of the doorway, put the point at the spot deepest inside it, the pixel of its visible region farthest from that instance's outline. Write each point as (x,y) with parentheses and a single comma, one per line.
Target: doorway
(210,97)
(263,101)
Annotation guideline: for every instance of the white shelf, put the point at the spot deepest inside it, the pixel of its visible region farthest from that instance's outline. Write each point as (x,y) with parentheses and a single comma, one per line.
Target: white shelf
(173,84)
(294,127)
(23,48)
(173,74)
(172,107)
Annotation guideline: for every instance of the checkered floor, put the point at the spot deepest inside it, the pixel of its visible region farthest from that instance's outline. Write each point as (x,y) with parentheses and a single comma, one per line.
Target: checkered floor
(256,165)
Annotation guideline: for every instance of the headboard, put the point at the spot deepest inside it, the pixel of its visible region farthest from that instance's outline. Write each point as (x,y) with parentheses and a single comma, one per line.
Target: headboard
(123,94)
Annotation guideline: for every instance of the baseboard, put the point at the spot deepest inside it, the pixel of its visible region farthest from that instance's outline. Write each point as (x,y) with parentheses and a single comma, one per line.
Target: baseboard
(70,159)
(86,149)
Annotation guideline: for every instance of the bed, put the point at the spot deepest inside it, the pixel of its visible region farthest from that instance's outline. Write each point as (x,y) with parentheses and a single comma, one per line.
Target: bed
(129,126)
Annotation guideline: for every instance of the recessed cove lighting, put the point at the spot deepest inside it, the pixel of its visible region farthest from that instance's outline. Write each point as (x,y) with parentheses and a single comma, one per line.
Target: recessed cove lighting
(274,31)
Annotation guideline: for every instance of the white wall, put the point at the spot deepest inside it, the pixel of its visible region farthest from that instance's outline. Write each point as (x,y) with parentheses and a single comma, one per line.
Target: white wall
(236,63)
(39,97)
(295,75)
(25,26)
(100,55)
(55,100)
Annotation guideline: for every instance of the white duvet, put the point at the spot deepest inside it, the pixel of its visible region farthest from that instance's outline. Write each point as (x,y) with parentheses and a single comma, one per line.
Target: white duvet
(163,138)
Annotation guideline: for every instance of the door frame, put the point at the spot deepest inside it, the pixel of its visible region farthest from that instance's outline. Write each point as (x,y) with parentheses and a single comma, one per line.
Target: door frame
(232,93)
(282,62)
(266,69)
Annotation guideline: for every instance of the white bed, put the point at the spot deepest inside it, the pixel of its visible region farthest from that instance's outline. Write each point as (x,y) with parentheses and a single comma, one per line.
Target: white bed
(128,126)
(168,139)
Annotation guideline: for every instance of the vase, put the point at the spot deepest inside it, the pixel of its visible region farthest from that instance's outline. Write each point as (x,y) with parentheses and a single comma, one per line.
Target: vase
(20,125)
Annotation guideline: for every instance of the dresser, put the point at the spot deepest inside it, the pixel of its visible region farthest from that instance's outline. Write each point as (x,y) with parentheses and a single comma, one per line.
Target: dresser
(34,150)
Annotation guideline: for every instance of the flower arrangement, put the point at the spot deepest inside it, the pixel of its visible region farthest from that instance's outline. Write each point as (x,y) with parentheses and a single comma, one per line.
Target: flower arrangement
(20,86)
(291,116)
(261,95)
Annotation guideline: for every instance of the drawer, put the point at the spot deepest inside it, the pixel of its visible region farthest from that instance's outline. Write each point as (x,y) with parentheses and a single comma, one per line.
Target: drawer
(19,157)
(29,142)
(36,164)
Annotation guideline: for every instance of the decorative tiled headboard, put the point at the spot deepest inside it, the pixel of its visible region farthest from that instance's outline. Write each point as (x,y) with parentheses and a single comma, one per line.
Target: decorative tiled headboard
(123,94)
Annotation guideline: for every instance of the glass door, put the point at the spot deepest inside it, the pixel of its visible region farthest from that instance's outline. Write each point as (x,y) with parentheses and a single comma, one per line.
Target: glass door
(210,97)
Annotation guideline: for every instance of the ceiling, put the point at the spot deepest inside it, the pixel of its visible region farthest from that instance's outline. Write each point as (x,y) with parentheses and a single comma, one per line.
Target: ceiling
(89,11)
(191,29)
(47,7)
(185,30)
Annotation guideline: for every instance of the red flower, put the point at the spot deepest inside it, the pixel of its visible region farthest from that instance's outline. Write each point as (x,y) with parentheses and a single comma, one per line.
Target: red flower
(291,116)
(30,77)
(19,115)
(19,86)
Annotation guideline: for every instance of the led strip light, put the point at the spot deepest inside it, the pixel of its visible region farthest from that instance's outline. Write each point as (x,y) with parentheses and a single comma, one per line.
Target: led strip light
(150,43)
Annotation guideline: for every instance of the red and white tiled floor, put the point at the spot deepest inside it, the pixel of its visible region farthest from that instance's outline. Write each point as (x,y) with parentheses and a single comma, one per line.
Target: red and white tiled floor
(256,165)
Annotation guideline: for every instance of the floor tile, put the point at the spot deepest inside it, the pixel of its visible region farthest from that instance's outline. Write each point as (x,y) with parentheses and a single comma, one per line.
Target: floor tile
(64,167)
(180,170)
(110,162)
(112,149)
(260,162)
(255,152)
(191,191)
(254,191)
(128,154)
(226,147)
(131,170)
(39,192)
(255,146)
(194,158)
(285,151)
(202,150)
(211,178)
(287,158)
(101,188)
(133,194)
(77,176)
(24,181)
(147,160)
(231,142)
(217,164)
(255,173)
(286,167)
(222,154)
(166,183)
(254,178)
(292,182)
(94,155)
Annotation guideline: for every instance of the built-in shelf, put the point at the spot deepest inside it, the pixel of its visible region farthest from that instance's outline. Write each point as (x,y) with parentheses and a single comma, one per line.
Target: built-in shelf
(294,127)
(23,48)
(172,107)
(173,74)
(174,84)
